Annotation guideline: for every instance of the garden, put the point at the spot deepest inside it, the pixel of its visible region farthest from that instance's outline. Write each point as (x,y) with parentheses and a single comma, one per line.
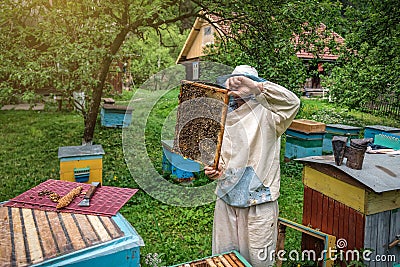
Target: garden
(54,51)
(30,141)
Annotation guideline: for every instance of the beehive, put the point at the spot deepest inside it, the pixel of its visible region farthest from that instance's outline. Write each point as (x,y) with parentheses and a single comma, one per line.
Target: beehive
(228,259)
(43,238)
(371,130)
(302,144)
(182,168)
(388,140)
(358,206)
(81,163)
(115,116)
(331,130)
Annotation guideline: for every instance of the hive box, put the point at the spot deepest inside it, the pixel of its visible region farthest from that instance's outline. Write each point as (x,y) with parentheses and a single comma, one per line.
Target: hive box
(388,140)
(307,126)
(301,144)
(227,259)
(115,116)
(372,130)
(338,130)
(82,164)
(361,207)
(42,238)
(182,168)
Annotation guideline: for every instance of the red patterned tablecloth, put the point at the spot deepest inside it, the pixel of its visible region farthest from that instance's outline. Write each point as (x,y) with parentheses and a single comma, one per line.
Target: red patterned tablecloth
(106,201)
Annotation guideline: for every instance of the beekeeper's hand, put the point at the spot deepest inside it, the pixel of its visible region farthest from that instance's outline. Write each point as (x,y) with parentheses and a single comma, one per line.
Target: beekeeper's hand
(212,172)
(242,86)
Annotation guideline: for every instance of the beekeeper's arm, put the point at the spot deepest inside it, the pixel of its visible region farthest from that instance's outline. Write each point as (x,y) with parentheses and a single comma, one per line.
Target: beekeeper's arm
(283,103)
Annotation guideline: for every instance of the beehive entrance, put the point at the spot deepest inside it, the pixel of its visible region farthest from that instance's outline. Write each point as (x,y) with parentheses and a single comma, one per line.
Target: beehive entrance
(200,122)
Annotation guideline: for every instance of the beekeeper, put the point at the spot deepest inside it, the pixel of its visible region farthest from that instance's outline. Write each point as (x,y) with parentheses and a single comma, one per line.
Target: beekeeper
(246,210)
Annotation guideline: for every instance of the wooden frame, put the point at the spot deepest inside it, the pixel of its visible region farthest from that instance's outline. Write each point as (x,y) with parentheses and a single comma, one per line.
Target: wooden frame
(190,135)
(329,240)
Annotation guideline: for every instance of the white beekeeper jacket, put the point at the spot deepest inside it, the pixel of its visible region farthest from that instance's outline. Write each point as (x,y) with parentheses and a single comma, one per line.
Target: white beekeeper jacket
(250,153)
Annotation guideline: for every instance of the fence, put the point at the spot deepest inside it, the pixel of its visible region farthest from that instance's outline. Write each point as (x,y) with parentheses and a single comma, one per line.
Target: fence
(386,104)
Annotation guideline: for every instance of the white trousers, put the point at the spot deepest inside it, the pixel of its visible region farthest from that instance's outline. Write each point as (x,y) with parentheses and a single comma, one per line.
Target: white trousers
(251,231)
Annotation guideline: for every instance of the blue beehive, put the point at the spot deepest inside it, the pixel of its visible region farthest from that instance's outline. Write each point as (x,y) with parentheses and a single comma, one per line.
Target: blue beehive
(179,166)
(115,115)
(372,130)
(301,144)
(338,130)
(388,140)
(67,239)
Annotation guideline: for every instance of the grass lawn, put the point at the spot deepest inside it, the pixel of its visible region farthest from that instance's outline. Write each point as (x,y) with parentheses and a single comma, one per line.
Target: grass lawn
(28,156)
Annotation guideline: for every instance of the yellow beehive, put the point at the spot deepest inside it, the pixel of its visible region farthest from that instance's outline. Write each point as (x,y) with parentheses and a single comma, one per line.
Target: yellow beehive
(81,163)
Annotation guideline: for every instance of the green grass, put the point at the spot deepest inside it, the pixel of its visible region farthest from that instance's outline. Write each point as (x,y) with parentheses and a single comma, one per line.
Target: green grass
(28,155)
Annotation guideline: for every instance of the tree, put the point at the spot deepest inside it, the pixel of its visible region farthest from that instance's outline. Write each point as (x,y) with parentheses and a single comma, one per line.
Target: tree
(70,45)
(371,65)
(263,35)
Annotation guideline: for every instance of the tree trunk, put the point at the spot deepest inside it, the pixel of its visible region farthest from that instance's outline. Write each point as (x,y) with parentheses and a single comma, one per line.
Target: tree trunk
(91,118)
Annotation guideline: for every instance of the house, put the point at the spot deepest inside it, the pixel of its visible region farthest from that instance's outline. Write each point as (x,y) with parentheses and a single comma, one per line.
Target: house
(204,33)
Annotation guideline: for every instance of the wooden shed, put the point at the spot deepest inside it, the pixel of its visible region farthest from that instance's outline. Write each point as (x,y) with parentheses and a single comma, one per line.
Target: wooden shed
(359,207)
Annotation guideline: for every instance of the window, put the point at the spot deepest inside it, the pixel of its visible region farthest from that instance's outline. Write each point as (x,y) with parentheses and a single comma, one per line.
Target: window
(207,30)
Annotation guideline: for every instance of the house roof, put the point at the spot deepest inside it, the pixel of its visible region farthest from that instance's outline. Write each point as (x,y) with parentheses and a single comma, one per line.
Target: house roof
(327,54)
(222,27)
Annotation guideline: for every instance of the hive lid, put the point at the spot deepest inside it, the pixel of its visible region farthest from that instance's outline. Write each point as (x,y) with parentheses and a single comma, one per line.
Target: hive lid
(79,151)
(383,128)
(380,172)
(343,126)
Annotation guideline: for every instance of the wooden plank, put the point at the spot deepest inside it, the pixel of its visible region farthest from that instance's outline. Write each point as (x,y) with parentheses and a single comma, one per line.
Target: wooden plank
(376,203)
(111,227)
(347,194)
(48,243)
(73,231)
(351,241)
(336,211)
(330,215)
(19,243)
(32,236)
(394,230)
(320,211)
(360,229)
(325,211)
(99,228)
(90,236)
(314,209)
(371,235)
(341,221)
(346,227)
(58,232)
(307,205)
(5,238)
(383,239)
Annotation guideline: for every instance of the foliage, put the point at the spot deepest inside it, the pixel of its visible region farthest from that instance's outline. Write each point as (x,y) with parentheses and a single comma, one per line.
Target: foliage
(70,46)
(370,67)
(152,52)
(263,34)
